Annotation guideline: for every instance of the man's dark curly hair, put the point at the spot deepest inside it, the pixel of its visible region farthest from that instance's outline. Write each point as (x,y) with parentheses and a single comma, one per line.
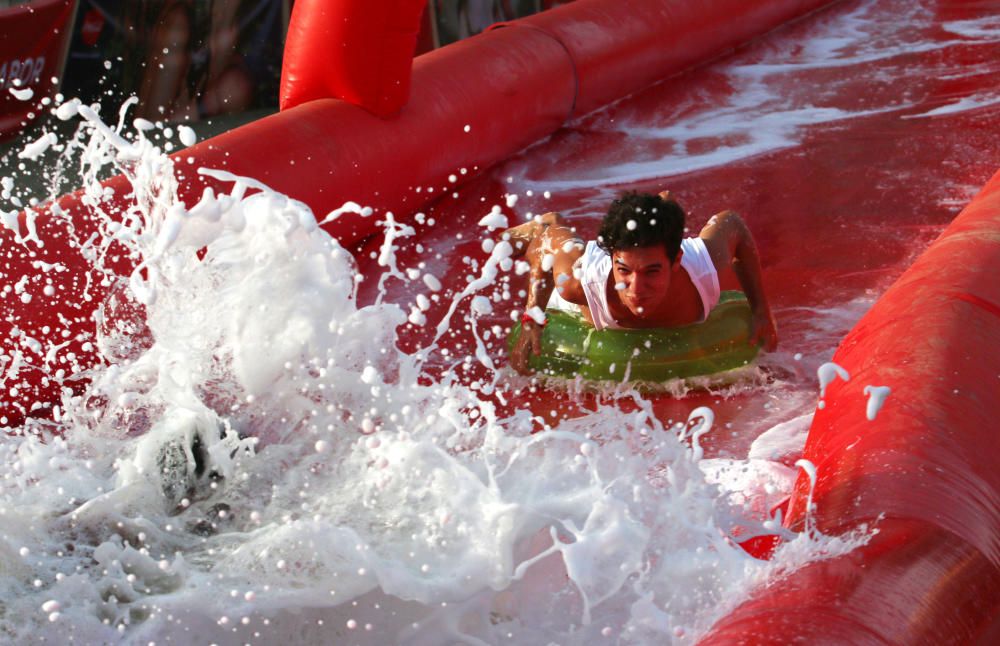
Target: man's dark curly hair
(642,220)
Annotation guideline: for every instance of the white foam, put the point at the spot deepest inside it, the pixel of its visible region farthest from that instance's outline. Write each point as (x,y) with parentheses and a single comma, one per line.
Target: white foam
(759,484)
(876,399)
(827,373)
(37,148)
(986,28)
(494,220)
(782,442)
(964,104)
(432,282)
(68,110)
(537,314)
(187,135)
(24,94)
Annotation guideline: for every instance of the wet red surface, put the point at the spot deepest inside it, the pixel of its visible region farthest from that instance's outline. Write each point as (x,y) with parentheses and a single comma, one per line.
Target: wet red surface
(847,141)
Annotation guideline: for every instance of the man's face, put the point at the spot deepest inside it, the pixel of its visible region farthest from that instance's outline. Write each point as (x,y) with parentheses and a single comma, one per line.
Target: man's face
(642,276)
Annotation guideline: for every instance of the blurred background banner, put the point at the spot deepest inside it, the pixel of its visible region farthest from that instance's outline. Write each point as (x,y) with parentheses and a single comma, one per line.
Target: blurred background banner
(458,19)
(33,39)
(185,59)
(451,20)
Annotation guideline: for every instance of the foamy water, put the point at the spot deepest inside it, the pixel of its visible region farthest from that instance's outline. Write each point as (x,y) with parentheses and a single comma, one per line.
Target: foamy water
(258,462)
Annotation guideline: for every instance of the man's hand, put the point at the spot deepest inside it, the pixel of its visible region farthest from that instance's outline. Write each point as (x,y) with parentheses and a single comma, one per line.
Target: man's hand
(667,197)
(763,330)
(551,248)
(528,343)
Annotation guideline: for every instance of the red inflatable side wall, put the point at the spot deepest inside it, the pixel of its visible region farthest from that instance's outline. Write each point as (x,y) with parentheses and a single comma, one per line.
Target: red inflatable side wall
(344,49)
(473,104)
(926,465)
(614,62)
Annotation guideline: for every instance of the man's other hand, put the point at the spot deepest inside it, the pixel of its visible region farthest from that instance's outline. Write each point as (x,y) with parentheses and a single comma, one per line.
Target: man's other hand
(528,343)
(764,331)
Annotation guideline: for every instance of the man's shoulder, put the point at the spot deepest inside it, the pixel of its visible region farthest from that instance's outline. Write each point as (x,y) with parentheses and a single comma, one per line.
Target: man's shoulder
(700,248)
(717,248)
(595,262)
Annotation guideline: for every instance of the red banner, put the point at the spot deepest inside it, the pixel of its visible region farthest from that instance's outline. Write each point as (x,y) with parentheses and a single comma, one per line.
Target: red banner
(33,41)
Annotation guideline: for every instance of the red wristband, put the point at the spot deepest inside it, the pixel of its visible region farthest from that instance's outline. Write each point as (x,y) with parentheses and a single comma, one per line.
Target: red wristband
(527,318)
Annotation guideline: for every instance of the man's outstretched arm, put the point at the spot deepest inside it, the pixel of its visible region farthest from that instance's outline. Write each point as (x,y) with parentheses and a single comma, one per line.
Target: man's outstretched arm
(730,242)
(551,248)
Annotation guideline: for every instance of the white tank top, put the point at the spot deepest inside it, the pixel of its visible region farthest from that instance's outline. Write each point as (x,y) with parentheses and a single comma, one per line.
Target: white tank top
(595,267)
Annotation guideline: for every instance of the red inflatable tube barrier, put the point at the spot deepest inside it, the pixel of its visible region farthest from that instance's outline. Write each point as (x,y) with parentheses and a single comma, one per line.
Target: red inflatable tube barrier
(472,104)
(923,472)
(360,52)
(651,40)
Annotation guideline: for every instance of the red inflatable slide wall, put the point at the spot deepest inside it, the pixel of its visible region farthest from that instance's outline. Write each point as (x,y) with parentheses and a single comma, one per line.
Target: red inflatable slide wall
(923,472)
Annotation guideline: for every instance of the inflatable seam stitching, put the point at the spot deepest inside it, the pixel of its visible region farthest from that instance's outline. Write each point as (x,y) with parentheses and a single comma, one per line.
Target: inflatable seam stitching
(569,55)
(989,306)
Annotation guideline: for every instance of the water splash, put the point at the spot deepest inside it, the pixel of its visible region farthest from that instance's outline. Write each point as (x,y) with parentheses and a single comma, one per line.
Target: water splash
(254,460)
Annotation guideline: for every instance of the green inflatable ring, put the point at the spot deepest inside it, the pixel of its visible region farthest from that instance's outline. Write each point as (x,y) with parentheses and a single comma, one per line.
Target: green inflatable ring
(571,347)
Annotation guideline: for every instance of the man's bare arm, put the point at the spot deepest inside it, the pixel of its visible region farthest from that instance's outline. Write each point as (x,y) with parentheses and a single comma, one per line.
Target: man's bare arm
(731,244)
(551,248)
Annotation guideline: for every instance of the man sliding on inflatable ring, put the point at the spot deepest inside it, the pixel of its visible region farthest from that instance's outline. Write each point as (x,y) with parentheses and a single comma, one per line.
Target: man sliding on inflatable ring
(640,273)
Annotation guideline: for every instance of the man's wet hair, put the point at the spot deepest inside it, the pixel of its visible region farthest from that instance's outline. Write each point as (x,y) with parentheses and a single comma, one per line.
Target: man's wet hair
(642,220)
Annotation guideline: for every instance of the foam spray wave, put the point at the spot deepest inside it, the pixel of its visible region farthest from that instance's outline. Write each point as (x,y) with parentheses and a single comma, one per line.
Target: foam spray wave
(255,461)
